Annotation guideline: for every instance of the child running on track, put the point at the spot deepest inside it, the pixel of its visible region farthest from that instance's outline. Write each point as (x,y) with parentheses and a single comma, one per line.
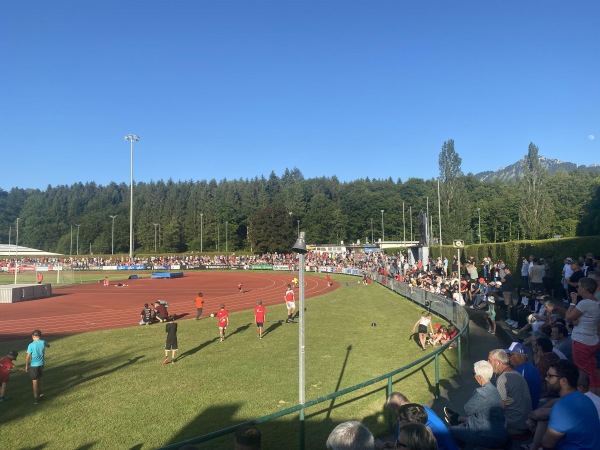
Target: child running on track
(241,288)
(223,316)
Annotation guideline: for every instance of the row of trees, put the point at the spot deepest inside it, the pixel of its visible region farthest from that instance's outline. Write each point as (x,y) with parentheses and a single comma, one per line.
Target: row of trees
(263,214)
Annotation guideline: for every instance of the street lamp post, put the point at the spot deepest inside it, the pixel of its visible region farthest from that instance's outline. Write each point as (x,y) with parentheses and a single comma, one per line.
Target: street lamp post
(372,241)
(131,138)
(17,252)
(112,245)
(410,216)
(403,224)
(298,226)
(382,230)
(226,243)
(479,215)
(300,248)
(201,221)
(155,228)
(71,248)
(77,238)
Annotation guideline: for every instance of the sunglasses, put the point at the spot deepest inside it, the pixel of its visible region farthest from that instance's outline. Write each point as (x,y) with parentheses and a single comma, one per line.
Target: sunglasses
(553,375)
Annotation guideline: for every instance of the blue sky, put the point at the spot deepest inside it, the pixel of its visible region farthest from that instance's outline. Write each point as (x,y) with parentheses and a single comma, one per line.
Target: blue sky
(237,89)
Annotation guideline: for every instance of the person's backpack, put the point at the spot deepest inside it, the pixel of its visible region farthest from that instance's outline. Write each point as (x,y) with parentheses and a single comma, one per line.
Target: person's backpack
(147,315)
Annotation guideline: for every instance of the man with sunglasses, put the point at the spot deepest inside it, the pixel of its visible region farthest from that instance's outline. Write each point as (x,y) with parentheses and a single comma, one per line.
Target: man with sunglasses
(573,422)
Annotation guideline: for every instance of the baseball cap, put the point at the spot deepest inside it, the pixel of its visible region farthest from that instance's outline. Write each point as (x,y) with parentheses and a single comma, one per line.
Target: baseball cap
(569,259)
(516,347)
(14,354)
(481,280)
(491,299)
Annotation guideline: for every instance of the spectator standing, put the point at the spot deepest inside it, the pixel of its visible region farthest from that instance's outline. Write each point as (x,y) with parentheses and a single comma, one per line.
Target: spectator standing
(524,273)
(575,277)
(484,424)
(548,278)
(536,276)
(34,363)
(199,305)
(490,315)
(508,286)
(567,271)
(585,315)
(223,317)
(514,392)
(573,419)
(6,366)
(260,313)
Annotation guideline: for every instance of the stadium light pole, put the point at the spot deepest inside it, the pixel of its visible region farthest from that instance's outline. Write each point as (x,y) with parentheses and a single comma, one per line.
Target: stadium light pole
(77,238)
(372,241)
(155,228)
(71,248)
(201,222)
(479,215)
(226,247)
(112,241)
(298,226)
(403,224)
(382,230)
(17,252)
(300,248)
(131,138)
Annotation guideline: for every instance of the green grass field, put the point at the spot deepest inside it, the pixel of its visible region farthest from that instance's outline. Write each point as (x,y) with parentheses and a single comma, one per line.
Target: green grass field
(109,390)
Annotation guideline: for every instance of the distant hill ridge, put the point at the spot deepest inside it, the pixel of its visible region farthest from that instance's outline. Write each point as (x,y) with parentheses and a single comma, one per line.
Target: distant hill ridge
(515,171)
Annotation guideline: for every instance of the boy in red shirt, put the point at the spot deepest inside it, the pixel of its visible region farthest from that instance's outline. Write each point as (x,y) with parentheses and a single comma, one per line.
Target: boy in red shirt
(223,316)
(6,365)
(260,313)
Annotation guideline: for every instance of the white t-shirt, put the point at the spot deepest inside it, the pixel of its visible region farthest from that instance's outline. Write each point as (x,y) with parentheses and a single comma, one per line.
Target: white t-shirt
(586,331)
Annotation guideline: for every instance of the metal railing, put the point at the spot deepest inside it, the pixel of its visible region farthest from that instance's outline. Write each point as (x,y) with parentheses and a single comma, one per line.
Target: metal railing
(438,305)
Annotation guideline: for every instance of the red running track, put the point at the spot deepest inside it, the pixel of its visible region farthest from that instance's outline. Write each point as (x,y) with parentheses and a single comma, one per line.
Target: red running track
(92,307)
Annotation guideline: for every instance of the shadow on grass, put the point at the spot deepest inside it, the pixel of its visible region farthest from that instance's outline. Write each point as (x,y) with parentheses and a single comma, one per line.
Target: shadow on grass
(273,327)
(197,349)
(239,330)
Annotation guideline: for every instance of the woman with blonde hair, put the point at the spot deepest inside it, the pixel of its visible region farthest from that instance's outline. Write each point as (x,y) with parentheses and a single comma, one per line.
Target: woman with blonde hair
(423,323)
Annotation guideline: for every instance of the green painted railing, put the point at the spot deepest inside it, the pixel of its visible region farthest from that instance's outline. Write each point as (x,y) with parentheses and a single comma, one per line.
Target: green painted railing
(440,306)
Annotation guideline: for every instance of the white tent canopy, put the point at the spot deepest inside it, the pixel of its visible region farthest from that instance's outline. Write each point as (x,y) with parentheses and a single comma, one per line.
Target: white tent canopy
(9,250)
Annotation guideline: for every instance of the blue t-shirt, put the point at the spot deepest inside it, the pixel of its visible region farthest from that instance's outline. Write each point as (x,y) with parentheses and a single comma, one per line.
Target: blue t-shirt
(576,417)
(534,381)
(440,431)
(37,348)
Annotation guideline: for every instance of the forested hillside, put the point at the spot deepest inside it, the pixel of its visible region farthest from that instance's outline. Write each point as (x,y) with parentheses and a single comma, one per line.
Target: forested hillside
(264,214)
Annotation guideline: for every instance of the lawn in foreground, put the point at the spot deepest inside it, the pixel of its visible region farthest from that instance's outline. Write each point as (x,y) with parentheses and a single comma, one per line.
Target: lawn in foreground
(109,389)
